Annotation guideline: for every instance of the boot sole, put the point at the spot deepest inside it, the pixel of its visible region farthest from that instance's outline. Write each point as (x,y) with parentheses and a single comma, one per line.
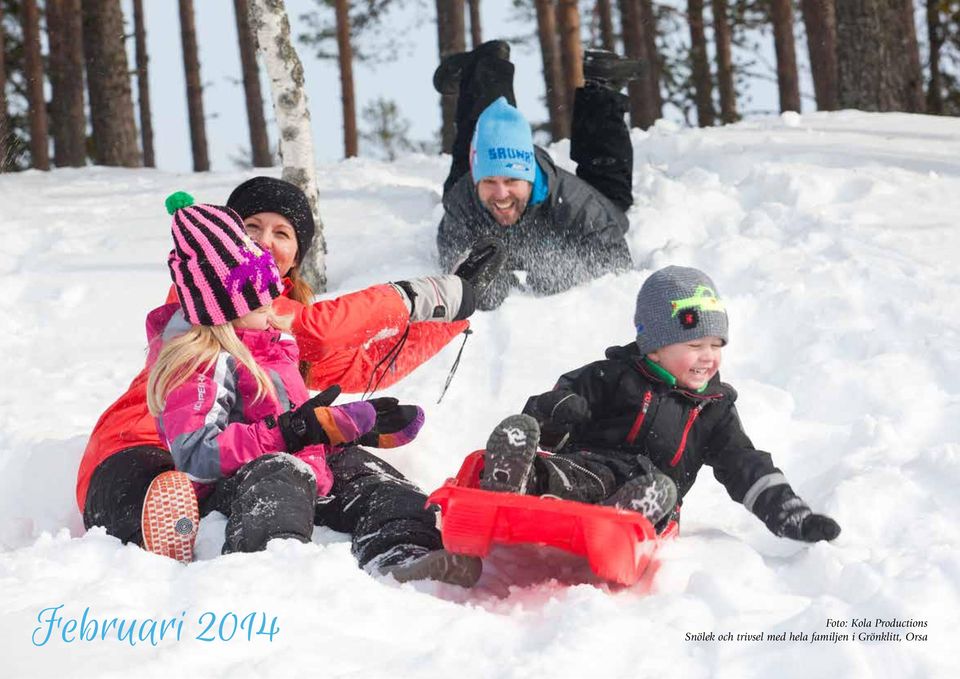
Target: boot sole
(170,517)
(440,566)
(509,454)
(654,498)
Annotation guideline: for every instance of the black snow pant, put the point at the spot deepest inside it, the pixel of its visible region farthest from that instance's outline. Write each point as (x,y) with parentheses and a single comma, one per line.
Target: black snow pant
(117,489)
(376,505)
(599,136)
(586,476)
(270,497)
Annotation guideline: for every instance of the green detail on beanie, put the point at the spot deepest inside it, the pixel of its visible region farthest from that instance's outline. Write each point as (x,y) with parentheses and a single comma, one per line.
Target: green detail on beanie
(178,200)
(703,298)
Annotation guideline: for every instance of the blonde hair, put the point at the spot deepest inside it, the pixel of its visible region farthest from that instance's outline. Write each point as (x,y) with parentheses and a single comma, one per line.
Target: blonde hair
(197,350)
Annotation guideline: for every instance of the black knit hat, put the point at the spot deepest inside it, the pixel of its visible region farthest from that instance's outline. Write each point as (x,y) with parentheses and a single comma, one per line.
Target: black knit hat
(267,194)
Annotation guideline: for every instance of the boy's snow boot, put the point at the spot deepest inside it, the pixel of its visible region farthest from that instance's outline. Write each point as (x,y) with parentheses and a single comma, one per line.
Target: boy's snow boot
(482,264)
(509,454)
(413,562)
(608,69)
(446,79)
(654,495)
(170,517)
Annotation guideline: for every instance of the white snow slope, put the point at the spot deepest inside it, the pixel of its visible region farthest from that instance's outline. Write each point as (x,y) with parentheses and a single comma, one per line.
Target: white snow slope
(834,239)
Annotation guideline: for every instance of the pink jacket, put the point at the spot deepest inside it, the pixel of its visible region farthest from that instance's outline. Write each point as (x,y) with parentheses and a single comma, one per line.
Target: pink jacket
(211,423)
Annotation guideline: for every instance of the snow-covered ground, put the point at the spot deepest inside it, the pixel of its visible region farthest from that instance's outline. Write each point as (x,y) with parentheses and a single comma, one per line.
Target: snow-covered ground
(833,237)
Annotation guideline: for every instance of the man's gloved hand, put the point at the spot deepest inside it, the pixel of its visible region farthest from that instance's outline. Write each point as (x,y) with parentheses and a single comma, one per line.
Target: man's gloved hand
(318,422)
(563,407)
(438,298)
(395,425)
(788,516)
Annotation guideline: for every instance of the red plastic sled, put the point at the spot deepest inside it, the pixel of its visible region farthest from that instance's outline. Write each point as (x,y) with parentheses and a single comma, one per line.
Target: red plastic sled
(619,545)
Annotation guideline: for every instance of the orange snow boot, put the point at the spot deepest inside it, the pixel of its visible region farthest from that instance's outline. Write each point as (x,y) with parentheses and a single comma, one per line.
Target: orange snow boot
(170,517)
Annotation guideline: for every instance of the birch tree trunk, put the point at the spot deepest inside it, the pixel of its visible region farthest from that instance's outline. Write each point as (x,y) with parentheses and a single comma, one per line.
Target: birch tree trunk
(781,14)
(268,18)
(552,73)
(820,22)
(259,141)
(702,83)
(345,52)
(191,69)
(728,93)
(33,75)
(143,85)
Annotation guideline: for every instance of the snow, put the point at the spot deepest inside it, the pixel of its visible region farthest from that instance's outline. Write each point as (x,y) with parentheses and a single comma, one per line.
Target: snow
(833,238)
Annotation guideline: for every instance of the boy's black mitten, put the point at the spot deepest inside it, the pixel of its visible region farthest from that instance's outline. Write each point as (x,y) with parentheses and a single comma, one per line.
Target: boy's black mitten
(787,516)
(316,421)
(563,407)
(395,425)
(557,412)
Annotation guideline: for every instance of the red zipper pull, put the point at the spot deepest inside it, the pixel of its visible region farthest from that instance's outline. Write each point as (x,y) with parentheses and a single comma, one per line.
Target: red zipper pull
(637,423)
(691,418)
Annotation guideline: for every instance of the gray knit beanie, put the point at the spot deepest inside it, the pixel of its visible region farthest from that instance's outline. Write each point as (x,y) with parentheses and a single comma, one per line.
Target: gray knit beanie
(678,304)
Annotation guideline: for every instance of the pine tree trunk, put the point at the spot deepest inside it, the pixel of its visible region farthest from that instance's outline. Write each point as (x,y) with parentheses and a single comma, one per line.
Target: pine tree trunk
(875,70)
(700,67)
(605,15)
(268,18)
(781,14)
(935,36)
(259,141)
(728,93)
(476,31)
(642,112)
(108,84)
(345,52)
(6,145)
(648,21)
(55,58)
(71,85)
(910,48)
(552,70)
(821,26)
(451,39)
(33,77)
(143,85)
(191,69)
(571,53)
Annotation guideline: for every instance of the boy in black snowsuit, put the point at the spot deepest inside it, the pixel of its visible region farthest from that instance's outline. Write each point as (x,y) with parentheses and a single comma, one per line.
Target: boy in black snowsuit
(634,429)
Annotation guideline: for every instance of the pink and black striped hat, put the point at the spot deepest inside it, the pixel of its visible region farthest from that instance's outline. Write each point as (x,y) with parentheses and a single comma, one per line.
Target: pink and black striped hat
(219,272)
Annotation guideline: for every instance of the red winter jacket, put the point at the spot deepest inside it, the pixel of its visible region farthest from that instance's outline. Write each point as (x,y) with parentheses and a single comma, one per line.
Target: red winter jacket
(344,339)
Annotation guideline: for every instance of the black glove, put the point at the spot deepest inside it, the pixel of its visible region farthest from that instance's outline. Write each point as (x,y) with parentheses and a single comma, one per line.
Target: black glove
(563,407)
(317,422)
(787,516)
(395,425)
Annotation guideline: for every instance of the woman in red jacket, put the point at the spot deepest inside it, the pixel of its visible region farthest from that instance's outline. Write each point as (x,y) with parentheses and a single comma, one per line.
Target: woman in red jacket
(362,341)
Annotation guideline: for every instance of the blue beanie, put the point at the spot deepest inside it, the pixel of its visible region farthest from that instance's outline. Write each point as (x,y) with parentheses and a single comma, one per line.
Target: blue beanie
(502,144)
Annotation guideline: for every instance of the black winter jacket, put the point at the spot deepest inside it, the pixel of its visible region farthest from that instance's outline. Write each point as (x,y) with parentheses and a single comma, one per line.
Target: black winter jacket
(634,412)
(574,235)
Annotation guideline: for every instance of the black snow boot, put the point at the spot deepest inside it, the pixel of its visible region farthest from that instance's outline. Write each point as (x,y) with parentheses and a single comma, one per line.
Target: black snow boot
(480,266)
(414,562)
(446,79)
(509,455)
(608,69)
(654,494)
